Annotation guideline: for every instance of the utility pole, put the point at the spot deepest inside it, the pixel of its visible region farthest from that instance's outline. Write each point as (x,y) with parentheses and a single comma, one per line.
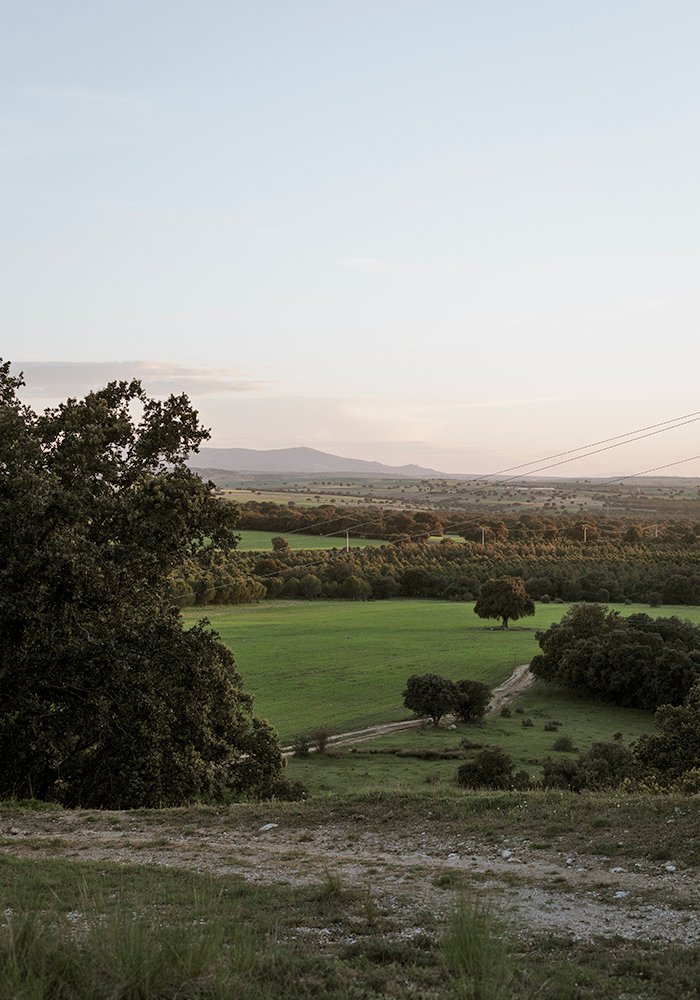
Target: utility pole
(585,532)
(483,538)
(347,540)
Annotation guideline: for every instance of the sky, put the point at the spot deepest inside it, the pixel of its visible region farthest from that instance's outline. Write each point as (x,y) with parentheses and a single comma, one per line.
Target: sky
(458,233)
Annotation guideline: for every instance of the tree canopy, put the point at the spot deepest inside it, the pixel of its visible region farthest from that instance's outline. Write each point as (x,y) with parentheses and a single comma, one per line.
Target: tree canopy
(105,700)
(431,695)
(506,598)
(638,661)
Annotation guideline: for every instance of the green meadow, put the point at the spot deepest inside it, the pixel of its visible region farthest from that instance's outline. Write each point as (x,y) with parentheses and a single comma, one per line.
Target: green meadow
(343,665)
(261,541)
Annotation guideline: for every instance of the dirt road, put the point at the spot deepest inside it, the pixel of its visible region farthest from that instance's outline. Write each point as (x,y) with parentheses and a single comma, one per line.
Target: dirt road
(519,681)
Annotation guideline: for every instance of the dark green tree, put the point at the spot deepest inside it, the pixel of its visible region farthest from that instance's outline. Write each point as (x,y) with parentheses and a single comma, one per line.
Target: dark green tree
(492,768)
(105,700)
(675,747)
(472,700)
(506,598)
(430,694)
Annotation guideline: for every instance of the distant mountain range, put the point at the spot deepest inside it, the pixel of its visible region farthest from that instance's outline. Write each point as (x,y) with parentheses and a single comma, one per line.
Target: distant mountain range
(301,460)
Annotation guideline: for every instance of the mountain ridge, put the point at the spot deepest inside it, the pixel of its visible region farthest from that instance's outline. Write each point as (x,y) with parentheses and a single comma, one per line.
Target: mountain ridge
(300,460)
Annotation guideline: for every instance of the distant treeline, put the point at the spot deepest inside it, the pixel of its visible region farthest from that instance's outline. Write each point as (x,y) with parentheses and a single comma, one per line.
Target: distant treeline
(620,561)
(396,525)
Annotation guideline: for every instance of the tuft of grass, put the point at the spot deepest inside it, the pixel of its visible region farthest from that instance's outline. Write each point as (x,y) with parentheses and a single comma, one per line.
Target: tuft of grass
(473,950)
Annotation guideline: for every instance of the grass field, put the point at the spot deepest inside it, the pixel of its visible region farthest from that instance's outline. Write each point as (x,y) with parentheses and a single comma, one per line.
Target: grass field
(261,541)
(584,721)
(343,665)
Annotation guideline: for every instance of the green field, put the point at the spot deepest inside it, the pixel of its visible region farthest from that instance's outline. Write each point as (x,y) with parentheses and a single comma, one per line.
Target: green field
(261,541)
(584,721)
(343,665)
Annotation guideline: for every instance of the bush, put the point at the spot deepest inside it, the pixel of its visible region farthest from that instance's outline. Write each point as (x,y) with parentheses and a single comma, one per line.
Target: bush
(289,791)
(550,727)
(605,765)
(528,723)
(492,768)
(564,744)
(320,739)
(301,745)
(505,712)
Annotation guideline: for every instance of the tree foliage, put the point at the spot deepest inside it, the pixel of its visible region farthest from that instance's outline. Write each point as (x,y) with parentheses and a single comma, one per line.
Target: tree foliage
(104,699)
(506,598)
(430,694)
(638,662)
(675,749)
(492,768)
(471,700)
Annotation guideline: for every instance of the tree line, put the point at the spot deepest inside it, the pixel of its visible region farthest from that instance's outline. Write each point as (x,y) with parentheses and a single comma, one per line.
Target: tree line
(652,571)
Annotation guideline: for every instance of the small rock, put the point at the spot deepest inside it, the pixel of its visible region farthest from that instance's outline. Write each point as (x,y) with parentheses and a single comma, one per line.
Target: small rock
(669,867)
(620,894)
(268,826)
(452,727)
(506,854)
(618,870)
(569,861)
(452,856)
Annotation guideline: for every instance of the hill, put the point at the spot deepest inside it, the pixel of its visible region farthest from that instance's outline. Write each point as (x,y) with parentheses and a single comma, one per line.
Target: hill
(300,460)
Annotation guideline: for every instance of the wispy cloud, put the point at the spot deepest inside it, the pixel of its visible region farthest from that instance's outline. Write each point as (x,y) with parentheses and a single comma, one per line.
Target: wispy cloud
(49,380)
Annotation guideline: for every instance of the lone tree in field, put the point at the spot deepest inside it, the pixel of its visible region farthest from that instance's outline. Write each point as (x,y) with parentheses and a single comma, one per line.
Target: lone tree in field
(504,597)
(429,694)
(105,699)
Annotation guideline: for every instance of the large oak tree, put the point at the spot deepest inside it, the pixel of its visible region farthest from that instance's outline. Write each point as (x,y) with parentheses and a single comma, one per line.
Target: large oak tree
(105,700)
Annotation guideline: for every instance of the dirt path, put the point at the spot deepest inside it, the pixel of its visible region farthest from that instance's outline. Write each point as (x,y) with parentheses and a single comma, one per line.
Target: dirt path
(519,681)
(407,867)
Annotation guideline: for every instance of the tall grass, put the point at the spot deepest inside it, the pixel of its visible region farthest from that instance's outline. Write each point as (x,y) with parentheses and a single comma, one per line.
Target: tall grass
(474,950)
(122,955)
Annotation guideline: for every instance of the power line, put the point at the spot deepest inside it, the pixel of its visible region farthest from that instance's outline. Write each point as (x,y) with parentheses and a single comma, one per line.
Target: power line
(687,417)
(597,451)
(647,472)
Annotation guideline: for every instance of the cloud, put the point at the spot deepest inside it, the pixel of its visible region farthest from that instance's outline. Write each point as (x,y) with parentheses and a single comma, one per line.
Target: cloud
(54,380)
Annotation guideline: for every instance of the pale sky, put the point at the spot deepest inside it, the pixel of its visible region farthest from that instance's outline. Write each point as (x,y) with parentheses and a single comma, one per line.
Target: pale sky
(457,233)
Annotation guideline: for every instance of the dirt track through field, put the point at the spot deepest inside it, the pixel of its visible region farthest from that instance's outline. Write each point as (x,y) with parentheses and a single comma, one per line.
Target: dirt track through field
(408,867)
(519,681)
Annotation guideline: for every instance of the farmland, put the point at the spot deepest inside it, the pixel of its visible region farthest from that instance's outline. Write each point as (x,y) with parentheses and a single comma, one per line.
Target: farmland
(261,541)
(343,665)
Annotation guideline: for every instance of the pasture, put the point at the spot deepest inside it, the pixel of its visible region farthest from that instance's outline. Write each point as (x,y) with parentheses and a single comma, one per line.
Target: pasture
(261,541)
(343,665)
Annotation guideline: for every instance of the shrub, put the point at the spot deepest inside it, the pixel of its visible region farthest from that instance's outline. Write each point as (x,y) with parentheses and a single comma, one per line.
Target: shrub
(564,744)
(492,768)
(289,791)
(320,738)
(301,744)
(528,723)
(550,727)
(505,712)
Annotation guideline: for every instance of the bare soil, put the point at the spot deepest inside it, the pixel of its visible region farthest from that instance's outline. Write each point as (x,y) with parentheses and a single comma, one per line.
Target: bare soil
(407,867)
